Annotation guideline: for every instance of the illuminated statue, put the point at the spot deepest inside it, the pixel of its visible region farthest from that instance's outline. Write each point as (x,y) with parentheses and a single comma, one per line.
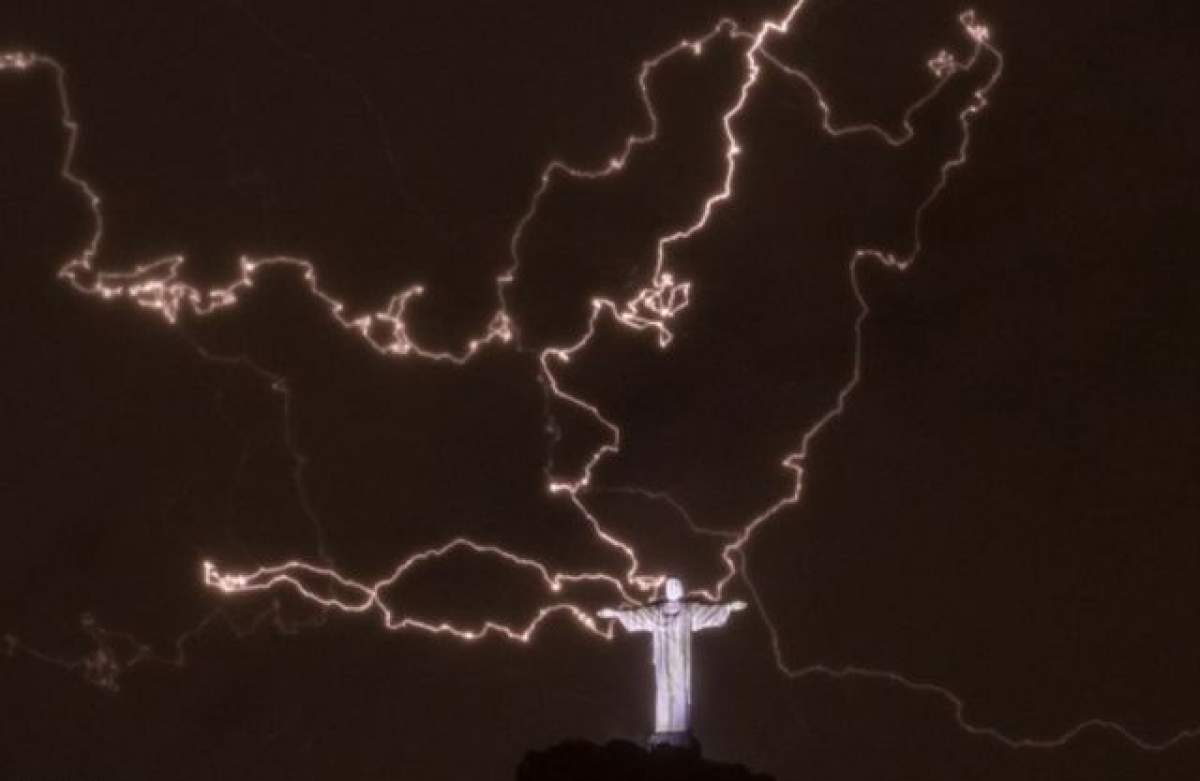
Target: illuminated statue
(672,620)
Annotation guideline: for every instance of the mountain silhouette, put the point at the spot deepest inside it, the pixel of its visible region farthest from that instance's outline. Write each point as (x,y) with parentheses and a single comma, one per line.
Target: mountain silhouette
(622,760)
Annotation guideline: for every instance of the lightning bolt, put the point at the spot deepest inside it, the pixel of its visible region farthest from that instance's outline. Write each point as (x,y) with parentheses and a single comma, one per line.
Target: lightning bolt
(944,66)
(159,286)
(958,706)
(361,598)
(114,652)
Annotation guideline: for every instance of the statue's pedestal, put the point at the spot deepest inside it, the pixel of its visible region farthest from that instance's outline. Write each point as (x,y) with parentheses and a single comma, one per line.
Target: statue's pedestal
(684,740)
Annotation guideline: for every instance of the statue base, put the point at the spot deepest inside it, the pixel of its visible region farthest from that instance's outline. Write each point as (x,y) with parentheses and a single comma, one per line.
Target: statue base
(683,740)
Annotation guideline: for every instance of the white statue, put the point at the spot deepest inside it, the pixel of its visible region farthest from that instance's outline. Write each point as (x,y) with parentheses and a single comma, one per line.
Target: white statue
(672,621)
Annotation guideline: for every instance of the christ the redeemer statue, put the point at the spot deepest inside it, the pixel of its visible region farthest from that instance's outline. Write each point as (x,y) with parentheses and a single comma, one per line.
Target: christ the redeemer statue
(672,620)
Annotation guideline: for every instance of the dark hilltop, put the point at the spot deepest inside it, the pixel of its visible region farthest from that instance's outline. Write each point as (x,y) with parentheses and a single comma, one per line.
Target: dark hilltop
(622,760)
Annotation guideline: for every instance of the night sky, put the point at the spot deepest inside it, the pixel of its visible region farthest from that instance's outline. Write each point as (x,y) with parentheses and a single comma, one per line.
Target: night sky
(1006,509)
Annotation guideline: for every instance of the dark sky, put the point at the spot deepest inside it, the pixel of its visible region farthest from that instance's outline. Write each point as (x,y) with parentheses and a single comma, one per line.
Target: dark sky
(1007,507)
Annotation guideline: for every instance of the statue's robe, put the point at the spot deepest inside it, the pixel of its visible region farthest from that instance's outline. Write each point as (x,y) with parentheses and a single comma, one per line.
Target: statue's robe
(672,624)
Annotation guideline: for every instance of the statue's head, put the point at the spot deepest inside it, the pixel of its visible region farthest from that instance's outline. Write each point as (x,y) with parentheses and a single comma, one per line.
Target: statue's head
(674,589)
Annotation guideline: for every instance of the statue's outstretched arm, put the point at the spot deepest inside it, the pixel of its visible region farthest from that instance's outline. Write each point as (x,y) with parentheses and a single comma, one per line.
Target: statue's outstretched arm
(640,619)
(708,616)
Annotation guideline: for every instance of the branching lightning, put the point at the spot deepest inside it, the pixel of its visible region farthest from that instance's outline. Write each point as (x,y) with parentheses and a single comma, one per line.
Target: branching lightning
(366,598)
(159,287)
(113,653)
